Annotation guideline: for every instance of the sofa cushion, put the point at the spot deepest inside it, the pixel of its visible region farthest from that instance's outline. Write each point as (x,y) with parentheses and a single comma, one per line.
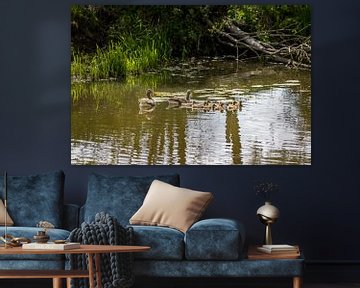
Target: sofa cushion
(170,206)
(38,264)
(214,239)
(29,232)
(165,243)
(35,198)
(120,196)
(9,221)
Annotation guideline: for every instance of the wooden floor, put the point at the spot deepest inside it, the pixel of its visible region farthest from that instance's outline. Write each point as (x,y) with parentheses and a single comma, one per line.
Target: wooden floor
(45,283)
(337,285)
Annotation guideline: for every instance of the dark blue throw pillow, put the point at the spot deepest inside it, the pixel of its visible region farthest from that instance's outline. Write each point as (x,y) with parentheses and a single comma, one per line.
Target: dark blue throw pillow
(35,198)
(120,196)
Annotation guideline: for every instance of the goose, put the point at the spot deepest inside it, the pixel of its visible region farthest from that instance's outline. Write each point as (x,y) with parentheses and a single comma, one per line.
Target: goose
(180,100)
(146,109)
(149,101)
(187,104)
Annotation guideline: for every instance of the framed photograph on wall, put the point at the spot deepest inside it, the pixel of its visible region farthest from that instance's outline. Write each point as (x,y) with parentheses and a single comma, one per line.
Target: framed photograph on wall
(191,85)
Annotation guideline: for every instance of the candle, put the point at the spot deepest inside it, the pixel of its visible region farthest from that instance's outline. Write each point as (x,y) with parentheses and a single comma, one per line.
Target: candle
(5,204)
(5,186)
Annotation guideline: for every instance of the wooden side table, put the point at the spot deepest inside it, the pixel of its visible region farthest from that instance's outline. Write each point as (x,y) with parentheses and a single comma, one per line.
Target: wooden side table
(93,251)
(254,254)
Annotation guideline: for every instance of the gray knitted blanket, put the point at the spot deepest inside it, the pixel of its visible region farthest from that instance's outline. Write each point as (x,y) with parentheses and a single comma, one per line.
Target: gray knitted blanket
(116,268)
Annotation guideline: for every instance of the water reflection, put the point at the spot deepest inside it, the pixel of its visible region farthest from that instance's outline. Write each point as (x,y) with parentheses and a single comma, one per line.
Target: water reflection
(272,127)
(275,134)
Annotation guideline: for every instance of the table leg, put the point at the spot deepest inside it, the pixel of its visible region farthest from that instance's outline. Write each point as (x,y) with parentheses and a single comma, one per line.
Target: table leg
(91,270)
(98,270)
(57,283)
(297,282)
(68,282)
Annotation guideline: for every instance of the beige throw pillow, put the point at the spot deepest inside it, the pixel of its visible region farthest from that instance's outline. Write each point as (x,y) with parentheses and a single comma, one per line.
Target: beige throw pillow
(170,206)
(9,221)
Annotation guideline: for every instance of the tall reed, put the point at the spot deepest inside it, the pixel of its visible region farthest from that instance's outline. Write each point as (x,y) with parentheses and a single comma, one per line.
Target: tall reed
(78,66)
(128,55)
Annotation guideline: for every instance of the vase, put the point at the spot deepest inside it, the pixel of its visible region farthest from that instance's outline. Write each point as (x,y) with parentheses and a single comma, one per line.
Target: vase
(268,214)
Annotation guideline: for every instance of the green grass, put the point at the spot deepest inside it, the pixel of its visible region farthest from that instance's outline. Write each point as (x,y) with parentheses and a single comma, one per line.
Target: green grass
(78,66)
(118,59)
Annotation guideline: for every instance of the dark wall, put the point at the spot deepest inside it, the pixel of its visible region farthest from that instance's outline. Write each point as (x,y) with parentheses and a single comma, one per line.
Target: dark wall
(318,203)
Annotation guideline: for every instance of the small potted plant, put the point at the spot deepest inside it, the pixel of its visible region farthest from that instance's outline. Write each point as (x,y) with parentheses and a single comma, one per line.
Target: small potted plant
(41,236)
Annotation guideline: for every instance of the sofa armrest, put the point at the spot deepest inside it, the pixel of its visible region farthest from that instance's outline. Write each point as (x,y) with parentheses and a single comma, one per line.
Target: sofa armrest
(215,239)
(71,216)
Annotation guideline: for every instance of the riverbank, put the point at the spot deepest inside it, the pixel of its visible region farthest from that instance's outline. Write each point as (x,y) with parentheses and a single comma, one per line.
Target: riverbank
(113,41)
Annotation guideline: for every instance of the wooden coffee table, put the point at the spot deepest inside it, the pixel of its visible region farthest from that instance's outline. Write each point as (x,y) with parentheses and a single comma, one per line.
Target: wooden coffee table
(93,251)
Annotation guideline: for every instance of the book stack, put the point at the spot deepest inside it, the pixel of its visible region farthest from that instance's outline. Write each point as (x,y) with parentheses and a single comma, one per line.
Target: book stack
(279,249)
(51,246)
(282,251)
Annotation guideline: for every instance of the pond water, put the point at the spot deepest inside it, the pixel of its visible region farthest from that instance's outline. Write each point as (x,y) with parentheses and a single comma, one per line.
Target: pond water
(272,127)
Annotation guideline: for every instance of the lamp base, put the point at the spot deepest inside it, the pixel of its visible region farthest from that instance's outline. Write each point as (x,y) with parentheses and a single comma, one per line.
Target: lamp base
(268,237)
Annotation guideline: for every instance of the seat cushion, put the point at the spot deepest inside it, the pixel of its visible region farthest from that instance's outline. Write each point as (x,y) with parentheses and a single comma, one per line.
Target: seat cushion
(40,264)
(213,269)
(166,243)
(29,232)
(119,196)
(35,198)
(214,239)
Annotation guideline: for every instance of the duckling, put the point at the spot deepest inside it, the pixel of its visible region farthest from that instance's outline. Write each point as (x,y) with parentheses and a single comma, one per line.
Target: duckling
(218,106)
(201,105)
(180,100)
(208,105)
(234,105)
(197,105)
(237,103)
(149,101)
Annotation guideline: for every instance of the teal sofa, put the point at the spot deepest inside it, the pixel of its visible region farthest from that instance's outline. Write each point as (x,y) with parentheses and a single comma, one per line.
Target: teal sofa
(214,247)
(209,248)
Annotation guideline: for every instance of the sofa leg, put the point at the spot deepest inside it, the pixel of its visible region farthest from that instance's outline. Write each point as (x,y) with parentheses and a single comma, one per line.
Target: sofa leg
(57,283)
(297,282)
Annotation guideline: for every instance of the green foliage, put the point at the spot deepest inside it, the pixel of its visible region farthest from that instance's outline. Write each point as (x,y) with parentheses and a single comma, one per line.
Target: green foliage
(115,40)
(269,18)
(132,45)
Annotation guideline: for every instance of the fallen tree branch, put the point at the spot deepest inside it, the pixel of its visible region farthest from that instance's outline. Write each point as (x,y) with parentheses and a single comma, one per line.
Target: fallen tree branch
(292,50)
